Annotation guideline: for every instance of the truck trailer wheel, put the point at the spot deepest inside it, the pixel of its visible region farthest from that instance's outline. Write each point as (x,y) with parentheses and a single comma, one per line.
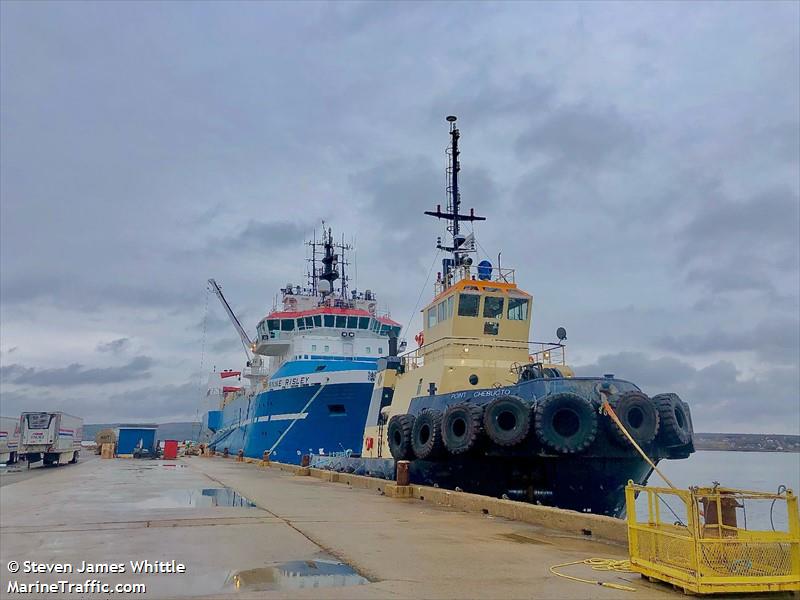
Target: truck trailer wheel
(74,458)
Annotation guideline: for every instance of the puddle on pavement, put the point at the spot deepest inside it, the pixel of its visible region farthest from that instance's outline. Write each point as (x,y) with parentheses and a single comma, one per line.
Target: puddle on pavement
(203,498)
(297,574)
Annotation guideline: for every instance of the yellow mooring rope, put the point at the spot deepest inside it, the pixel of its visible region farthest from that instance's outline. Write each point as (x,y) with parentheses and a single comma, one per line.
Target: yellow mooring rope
(598,564)
(610,564)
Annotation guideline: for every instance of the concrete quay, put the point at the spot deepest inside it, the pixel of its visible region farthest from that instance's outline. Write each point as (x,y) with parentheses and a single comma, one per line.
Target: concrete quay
(195,511)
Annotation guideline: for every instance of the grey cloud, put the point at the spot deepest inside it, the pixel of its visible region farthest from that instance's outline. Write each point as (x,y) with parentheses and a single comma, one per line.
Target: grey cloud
(77,374)
(115,346)
(580,136)
(721,397)
(263,235)
(150,403)
(777,338)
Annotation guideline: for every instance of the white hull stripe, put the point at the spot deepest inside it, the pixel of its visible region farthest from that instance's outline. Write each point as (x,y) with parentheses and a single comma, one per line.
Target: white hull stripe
(264,419)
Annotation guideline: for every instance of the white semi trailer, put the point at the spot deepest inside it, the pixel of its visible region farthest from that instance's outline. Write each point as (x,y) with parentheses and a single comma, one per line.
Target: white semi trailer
(9,439)
(52,437)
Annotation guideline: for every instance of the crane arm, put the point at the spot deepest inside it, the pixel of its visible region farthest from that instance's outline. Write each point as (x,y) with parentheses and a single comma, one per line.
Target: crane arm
(246,341)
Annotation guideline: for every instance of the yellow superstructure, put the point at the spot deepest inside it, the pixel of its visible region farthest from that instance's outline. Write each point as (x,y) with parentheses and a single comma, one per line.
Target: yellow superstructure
(474,336)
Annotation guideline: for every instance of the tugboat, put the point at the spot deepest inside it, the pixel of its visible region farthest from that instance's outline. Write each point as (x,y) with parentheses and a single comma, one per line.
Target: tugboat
(311,368)
(479,407)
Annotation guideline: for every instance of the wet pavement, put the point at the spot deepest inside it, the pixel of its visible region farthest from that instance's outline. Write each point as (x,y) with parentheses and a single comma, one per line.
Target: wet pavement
(248,532)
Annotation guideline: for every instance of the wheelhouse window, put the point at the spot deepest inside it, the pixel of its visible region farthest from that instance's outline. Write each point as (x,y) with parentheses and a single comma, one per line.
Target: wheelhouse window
(450,302)
(441,309)
(363,322)
(317,320)
(341,322)
(329,320)
(431,317)
(352,322)
(493,307)
(518,309)
(287,324)
(468,305)
(273,324)
(309,322)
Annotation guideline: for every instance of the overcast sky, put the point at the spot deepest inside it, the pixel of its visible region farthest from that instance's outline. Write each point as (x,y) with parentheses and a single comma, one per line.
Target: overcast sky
(638,162)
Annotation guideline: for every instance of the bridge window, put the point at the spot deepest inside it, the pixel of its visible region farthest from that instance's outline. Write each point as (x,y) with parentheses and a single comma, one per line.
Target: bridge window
(273,324)
(493,307)
(363,322)
(287,324)
(442,310)
(309,322)
(450,303)
(318,321)
(329,320)
(468,305)
(396,331)
(518,309)
(352,322)
(341,322)
(385,329)
(431,317)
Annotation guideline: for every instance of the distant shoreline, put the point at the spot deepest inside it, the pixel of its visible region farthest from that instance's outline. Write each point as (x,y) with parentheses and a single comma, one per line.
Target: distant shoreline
(747,442)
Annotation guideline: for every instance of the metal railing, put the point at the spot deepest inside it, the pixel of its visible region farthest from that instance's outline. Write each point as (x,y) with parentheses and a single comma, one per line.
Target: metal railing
(692,539)
(555,353)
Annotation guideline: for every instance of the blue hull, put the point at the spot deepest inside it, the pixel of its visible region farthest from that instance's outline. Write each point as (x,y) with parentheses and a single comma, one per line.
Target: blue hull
(293,421)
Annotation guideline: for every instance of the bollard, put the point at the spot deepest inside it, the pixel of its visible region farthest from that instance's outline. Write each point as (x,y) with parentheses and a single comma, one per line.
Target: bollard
(265,459)
(402,472)
(240,456)
(305,461)
(225,452)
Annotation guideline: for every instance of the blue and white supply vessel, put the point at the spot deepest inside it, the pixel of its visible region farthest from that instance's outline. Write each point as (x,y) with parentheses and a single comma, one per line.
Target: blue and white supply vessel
(310,370)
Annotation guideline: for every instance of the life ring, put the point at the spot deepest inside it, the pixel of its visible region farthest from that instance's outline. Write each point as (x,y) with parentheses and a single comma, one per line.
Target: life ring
(426,435)
(398,434)
(565,422)
(507,420)
(462,425)
(420,339)
(676,422)
(638,415)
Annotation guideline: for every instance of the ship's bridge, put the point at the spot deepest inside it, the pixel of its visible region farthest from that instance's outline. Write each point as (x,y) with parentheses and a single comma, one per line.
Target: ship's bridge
(478,309)
(276,330)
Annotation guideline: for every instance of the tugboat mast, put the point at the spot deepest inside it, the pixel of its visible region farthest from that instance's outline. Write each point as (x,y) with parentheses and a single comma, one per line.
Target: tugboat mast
(453,205)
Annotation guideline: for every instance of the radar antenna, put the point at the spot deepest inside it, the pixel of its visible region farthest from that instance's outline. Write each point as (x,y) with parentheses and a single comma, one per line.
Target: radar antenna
(452,215)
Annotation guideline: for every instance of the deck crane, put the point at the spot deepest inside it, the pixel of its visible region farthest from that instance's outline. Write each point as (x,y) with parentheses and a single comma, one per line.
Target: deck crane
(252,361)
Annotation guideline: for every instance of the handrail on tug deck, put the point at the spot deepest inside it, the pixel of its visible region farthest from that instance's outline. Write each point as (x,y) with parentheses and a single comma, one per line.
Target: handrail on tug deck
(553,353)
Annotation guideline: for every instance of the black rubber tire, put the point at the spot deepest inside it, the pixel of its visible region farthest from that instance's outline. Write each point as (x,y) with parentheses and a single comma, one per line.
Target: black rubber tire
(426,435)
(638,414)
(565,422)
(507,420)
(398,434)
(74,458)
(676,424)
(467,416)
